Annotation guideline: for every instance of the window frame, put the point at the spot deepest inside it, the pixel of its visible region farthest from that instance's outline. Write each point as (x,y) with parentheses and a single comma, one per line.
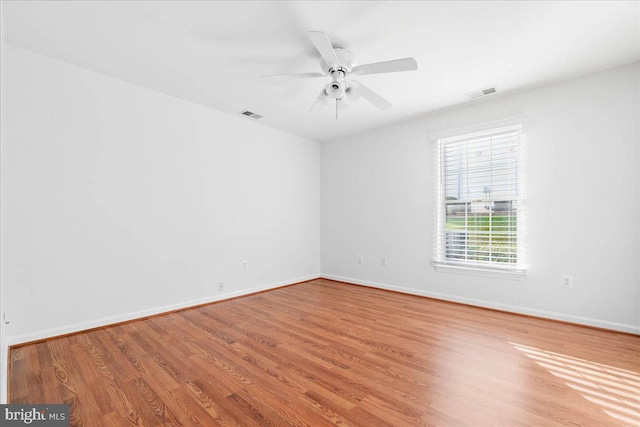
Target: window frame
(439,141)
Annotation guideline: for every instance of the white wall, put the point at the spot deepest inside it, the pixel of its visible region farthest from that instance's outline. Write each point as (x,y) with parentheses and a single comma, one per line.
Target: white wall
(118,201)
(582,199)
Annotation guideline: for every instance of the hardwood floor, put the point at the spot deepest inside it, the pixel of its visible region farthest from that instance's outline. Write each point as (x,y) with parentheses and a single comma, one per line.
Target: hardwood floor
(324,353)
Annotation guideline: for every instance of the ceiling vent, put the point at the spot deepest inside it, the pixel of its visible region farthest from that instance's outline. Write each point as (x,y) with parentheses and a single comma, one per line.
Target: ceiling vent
(483,92)
(251,114)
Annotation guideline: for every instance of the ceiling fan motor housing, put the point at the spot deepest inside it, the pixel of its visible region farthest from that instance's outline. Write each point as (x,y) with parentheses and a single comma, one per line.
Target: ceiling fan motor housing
(346,59)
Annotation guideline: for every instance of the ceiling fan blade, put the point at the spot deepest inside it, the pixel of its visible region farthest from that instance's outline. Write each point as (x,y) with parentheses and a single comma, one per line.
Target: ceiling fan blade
(371,96)
(295,75)
(404,64)
(321,41)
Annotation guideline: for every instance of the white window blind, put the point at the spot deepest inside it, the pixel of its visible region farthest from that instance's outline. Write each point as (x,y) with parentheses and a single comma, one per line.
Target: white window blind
(480,218)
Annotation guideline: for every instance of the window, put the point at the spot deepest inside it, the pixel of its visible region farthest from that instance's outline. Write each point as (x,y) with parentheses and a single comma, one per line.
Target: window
(480,211)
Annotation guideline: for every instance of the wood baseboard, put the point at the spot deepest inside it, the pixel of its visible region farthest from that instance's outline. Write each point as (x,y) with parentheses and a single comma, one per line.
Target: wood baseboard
(504,308)
(20,340)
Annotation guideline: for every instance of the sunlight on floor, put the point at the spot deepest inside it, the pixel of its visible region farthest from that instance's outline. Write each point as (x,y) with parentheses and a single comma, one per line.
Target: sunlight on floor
(616,391)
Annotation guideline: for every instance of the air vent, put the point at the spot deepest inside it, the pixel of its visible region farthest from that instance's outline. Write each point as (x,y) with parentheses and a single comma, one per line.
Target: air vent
(483,92)
(251,114)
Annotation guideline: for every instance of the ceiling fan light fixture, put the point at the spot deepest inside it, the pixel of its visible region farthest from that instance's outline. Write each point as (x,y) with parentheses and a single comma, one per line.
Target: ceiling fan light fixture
(335,89)
(351,94)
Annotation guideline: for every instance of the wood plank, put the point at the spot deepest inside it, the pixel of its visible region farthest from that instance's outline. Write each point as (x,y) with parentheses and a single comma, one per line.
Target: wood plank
(326,353)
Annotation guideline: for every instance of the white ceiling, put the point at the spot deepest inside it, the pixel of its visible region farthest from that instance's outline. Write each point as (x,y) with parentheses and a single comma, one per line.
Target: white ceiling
(212,53)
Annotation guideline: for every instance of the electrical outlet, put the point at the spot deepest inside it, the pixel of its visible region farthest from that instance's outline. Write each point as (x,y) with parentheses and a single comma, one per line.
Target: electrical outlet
(566,281)
(360,259)
(245,264)
(383,262)
(220,286)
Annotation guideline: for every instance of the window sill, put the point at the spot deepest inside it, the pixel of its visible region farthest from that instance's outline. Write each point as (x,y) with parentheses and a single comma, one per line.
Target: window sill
(480,271)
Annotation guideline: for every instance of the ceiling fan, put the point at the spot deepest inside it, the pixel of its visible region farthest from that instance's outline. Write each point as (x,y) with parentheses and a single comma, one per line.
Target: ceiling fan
(341,65)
